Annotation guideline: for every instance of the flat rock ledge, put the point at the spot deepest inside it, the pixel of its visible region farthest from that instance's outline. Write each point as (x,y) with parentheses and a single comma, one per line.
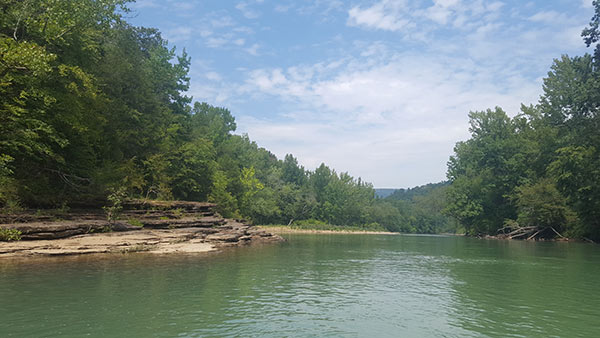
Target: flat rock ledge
(160,241)
(190,228)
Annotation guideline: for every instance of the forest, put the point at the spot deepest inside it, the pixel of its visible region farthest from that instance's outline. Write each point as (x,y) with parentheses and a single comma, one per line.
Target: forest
(92,107)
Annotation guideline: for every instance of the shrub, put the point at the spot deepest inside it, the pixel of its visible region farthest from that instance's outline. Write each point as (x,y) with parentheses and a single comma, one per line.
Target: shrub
(135,222)
(10,235)
(115,198)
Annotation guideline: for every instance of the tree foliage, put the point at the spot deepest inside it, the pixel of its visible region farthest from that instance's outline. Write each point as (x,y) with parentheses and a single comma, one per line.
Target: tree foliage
(90,104)
(541,167)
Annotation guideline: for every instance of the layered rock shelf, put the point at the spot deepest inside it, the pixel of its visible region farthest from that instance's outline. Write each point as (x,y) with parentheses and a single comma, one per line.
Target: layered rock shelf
(149,226)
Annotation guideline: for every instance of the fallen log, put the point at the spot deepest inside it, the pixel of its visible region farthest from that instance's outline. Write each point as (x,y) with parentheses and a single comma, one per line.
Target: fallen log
(522,232)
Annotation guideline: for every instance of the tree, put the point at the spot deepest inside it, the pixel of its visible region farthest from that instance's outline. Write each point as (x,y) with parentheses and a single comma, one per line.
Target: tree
(319,179)
(571,99)
(591,34)
(292,172)
(541,205)
(251,187)
(577,170)
(571,103)
(484,172)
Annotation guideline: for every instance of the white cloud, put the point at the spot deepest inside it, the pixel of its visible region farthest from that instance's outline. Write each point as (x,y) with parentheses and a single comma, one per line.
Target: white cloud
(548,17)
(412,19)
(385,15)
(213,76)
(389,156)
(495,6)
(180,33)
(571,37)
(587,3)
(282,8)
(253,50)
(228,41)
(392,116)
(483,31)
(184,6)
(213,91)
(405,88)
(248,12)
(441,10)
(181,8)
(219,30)
(409,109)
(388,108)
(140,4)
(216,42)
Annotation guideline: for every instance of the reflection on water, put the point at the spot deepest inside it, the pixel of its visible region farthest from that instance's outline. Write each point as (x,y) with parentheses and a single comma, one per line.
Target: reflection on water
(525,289)
(313,285)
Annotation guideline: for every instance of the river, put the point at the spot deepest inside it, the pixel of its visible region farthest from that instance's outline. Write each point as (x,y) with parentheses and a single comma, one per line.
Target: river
(313,285)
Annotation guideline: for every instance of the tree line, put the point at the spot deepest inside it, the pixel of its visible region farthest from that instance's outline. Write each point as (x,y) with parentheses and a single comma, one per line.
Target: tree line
(541,168)
(92,106)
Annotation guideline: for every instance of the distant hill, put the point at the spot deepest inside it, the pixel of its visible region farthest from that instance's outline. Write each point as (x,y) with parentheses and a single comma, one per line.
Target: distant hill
(408,194)
(384,192)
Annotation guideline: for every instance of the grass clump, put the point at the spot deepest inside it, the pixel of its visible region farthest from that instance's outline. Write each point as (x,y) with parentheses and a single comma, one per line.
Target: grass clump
(8,235)
(135,222)
(178,213)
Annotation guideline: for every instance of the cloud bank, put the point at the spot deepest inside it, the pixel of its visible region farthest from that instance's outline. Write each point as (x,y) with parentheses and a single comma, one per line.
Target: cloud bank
(381,88)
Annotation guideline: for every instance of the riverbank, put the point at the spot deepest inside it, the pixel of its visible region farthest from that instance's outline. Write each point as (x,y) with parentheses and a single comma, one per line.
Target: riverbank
(280,229)
(183,240)
(149,226)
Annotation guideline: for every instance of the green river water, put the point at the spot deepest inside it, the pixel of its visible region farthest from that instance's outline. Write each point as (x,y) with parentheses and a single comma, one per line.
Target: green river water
(313,286)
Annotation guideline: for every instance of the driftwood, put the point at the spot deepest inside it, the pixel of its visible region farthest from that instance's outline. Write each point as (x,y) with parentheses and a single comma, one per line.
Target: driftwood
(521,232)
(528,233)
(556,232)
(535,234)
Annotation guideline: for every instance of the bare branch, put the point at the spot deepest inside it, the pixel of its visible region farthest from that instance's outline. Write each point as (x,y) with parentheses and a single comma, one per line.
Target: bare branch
(68,178)
(16,30)
(556,232)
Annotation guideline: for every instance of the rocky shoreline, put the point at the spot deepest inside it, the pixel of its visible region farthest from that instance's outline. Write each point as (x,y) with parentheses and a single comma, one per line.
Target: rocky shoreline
(143,226)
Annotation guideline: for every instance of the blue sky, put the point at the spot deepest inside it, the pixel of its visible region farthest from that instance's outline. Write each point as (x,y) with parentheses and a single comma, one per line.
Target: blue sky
(380,89)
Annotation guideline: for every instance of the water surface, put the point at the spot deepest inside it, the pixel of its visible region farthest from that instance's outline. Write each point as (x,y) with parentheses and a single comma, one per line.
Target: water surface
(313,285)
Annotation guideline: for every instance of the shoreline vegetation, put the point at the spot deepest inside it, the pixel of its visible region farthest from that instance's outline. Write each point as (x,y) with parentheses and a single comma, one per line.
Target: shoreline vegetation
(94,112)
(284,229)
